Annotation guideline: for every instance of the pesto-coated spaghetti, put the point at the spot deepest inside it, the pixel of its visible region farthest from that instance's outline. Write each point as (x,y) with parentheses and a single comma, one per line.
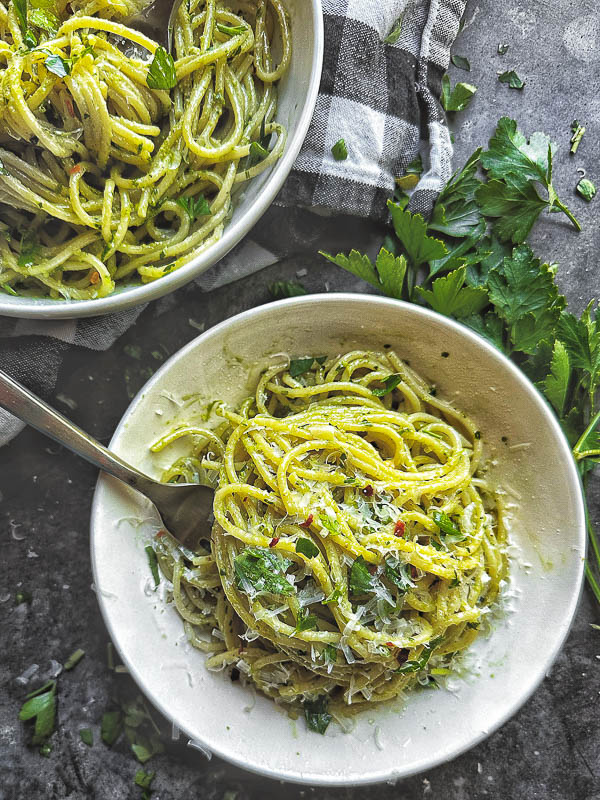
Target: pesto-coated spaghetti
(119,164)
(354,551)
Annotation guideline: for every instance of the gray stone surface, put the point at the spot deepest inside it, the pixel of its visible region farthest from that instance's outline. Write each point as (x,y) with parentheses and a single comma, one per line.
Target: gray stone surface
(549,750)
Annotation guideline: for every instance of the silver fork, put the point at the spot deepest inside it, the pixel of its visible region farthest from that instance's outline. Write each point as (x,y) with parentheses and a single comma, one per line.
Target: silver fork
(184,508)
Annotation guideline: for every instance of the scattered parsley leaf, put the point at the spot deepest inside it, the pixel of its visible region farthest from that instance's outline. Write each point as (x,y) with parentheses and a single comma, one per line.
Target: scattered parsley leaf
(411,230)
(361,580)
(281,289)
(58,65)
(257,154)
(339,150)
(581,338)
(395,33)
(331,525)
(29,251)
(503,49)
(161,73)
(141,752)
(451,532)
(111,727)
(194,206)
(389,384)
(74,659)
(398,573)
(262,571)
(153,564)
(144,779)
(420,663)
(41,706)
(334,596)
(458,98)
(449,295)
(317,716)
(305,621)
(577,130)
(307,547)
(86,736)
(461,62)
(298,366)
(586,189)
(411,176)
(512,79)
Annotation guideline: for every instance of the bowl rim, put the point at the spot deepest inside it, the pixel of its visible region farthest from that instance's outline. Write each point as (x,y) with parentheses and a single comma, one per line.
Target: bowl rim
(124,299)
(452,752)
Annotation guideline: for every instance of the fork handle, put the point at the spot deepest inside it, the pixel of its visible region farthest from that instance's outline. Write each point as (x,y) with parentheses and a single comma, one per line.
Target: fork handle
(35,412)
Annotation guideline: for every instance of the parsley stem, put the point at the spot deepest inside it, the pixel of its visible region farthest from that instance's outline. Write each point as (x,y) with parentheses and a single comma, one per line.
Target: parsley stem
(592,581)
(569,214)
(591,426)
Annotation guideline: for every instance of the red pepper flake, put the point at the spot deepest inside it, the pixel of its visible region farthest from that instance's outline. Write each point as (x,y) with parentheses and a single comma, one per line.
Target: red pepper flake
(391,645)
(399,528)
(372,569)
(307,522)
(161,533)
(274,541)
(368,490)
(94,277)
(402,655)
(69,106)
(413,572)
(75,170)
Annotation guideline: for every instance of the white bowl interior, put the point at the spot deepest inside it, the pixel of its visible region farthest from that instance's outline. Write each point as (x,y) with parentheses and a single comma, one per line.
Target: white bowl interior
(533,467)
(297,94)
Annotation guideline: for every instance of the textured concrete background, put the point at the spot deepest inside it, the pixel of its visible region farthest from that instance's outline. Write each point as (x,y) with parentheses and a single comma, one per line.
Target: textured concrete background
(550,750)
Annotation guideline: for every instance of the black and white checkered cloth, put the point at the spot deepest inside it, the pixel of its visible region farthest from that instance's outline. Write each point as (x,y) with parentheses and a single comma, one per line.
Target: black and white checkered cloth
(382,99)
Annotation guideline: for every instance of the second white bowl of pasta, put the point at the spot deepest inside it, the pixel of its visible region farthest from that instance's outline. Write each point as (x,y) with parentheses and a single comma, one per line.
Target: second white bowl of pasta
(396,516)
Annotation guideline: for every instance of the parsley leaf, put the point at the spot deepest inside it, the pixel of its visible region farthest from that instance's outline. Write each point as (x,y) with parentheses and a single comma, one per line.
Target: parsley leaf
(333,597)
(317,716)
(330,654)
(461,62)
(512,79)
(257,154)
(398,573)
(298,366)
(111,727)
(556,384)
(305,621)
(86,736)
(58,65)
(456,212)
(339,150)
(389,384)
(516,204)
(451,532)
(422,661)
(259,570)
(586,189)
(456,99)
(449,296)
(411,230)
(581,338)
(161,73)
(332,525)
(20,7)
(230,30)
(387,274)
(41,706)
(144,779)
(411,175)
(194,206)
(281,289)
(307,547)
(44,19)
(30,250)
(361,580)
(394,34)
(153,563)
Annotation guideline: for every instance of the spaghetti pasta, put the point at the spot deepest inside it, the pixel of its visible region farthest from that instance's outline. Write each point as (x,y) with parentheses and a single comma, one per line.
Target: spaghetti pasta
(115,168)
(355,551)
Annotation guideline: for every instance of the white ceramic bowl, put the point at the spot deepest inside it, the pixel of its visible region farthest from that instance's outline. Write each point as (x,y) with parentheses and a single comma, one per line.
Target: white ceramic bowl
(534,467)
(297,94)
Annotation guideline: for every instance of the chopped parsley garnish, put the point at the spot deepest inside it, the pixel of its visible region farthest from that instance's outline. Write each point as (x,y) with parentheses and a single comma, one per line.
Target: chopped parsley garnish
(334,596)
(317,716)
(86,736)
(394,34)
(332,525)
(461,62)
(361,580)
(330,654)
(194,206)
(280,289)
(389,384)
(577,130)
(458,98)
(512,79)
(74,659)
(447,527)
(305,621)
(339,150)
(262,570)
(161,73)
(307,547)
(586,189)
(144,781)
(422,661)
(298,366)
(398,573)
(41,706)
(111,727)
(30,250)
(153,564)
(58,65)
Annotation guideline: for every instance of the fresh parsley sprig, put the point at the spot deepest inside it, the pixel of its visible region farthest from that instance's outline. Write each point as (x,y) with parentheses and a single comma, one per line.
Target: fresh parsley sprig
(471,261)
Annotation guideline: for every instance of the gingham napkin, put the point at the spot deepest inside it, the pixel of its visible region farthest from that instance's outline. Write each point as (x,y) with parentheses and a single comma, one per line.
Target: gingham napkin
(381,98)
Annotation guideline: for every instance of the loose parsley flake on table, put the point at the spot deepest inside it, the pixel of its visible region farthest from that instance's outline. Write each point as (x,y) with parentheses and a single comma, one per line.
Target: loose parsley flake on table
(586,189)
(577,131)
(458,98)
(471,261)
(511,78)
(339,150)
